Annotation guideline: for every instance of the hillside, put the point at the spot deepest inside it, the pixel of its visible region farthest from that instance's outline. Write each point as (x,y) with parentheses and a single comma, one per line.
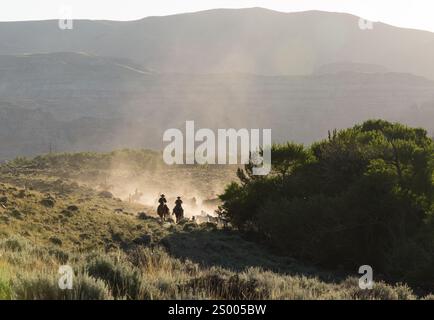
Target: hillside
(243,40)
(117,252)
(76,102)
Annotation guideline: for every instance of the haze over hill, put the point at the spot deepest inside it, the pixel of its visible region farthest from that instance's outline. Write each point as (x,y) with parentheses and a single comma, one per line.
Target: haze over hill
(105,84)
(244,40)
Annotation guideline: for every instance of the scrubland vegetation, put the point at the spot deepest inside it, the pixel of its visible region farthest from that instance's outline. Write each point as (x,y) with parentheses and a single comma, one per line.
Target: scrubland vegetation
(364,196)
(29,272)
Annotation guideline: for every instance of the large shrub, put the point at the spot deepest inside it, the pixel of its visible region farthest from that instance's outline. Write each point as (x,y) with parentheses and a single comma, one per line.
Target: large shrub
(363,196)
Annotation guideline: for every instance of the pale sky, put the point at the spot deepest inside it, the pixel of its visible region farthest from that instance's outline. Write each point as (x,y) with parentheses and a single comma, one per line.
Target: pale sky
(418,14)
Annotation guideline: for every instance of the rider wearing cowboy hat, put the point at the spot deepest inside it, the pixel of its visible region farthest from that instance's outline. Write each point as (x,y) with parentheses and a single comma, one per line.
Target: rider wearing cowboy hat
(162,199)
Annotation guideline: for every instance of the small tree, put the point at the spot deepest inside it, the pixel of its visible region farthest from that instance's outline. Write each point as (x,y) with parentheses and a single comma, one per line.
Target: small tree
(361,195)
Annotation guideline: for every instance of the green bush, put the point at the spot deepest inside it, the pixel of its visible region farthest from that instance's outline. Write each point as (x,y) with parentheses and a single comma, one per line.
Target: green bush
(363,196)
(228,286)
(5,287)
(13,244)
(43,286)
(379,291)
(89,288)
(123,280)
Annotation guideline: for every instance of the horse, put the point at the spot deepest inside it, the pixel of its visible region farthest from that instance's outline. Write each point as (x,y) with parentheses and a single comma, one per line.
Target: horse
(163,211)
(179,213)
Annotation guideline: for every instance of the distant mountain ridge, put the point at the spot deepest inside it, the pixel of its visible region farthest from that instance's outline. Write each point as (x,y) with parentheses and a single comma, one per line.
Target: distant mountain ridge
(75,102)
(256,40)
(106,85)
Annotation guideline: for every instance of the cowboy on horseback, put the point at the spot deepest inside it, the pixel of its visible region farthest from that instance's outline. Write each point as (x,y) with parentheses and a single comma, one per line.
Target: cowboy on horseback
(162,199)
(178,211)
(163,209)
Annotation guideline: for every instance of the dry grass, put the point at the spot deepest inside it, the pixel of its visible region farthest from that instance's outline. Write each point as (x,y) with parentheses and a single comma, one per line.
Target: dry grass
(147,273)
(122,256)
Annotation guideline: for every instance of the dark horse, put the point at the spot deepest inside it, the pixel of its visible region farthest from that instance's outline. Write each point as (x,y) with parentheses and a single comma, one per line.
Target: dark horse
(163,211)
(179,213)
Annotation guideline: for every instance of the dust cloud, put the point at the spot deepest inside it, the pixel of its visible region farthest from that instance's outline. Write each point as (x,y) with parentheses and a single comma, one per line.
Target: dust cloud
(197,185)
